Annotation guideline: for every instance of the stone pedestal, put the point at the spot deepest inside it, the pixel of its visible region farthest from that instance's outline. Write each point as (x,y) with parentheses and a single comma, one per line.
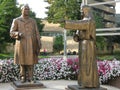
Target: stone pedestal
(17,85)
(76,87)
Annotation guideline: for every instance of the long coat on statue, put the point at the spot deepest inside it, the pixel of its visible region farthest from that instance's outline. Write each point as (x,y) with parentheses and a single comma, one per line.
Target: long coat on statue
(88,74)
(27,46)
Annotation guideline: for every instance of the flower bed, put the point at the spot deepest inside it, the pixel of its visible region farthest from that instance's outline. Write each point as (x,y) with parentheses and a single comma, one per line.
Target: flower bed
(108,70)
(58,68)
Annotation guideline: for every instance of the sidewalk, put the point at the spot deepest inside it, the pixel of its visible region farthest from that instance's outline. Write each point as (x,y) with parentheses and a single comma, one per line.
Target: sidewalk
(53,85)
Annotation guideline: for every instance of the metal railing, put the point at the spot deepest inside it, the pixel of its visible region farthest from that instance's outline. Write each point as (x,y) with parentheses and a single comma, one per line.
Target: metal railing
(101,3)
(108,31)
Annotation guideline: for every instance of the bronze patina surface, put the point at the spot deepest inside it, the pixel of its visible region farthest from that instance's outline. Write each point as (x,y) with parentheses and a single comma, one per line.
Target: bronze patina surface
(88,72)
(27,46)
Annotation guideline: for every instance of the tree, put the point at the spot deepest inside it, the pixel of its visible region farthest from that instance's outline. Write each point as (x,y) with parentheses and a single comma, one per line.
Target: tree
(98,19)
(38,21)
(100,41)
(58,43)
(8,10)
(63,9)
(68,9)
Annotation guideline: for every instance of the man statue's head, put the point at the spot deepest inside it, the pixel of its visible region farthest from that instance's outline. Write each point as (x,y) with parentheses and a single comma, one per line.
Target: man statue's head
(25,10)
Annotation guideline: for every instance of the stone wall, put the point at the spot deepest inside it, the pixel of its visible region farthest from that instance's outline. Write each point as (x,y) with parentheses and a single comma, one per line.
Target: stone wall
(47,43)
(71,44)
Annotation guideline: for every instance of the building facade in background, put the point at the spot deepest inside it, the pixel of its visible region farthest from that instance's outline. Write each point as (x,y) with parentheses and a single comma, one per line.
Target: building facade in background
(107,12)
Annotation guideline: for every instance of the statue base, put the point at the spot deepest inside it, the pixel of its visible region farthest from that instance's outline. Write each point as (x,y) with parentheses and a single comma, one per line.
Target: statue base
(77,87)
(17,85)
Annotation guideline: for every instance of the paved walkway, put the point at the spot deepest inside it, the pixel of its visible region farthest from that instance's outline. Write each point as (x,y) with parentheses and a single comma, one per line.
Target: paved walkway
(53,85)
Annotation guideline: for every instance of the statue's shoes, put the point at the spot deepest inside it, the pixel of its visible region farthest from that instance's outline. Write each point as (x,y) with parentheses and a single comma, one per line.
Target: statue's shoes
(31,81)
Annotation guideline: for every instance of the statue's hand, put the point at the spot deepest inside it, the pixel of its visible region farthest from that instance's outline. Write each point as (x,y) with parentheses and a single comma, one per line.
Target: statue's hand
(20,35)
(76,38)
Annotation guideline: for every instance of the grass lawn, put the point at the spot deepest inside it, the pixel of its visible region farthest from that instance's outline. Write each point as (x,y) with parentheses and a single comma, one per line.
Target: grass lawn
(5,56)
(100,57)
(116,55)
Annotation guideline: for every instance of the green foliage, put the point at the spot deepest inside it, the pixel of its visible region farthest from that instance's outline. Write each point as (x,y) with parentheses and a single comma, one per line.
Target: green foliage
(5,56)
(109,56)
(58,43)
(11,55)
(43,56)
(61,10)
(101,43)
(8,10)
(98,19)
(68,9)
(38,21)
(106,57)
(39,24)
